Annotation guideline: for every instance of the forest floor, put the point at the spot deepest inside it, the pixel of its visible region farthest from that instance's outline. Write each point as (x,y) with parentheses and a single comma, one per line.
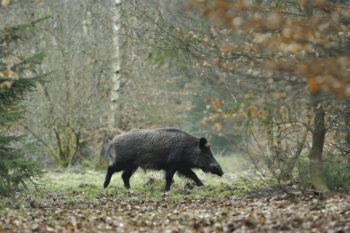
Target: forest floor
(74,201)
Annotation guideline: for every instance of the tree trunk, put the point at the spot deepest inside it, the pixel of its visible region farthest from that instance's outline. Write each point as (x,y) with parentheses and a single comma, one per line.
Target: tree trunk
(290,163)
(315,156)
(347,129)
(115,60)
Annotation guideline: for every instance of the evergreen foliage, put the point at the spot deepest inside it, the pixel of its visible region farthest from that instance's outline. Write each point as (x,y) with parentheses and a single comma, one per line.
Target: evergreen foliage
(17,77)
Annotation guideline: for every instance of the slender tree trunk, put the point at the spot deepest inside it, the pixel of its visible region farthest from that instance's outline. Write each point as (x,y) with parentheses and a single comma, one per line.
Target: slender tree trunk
(272,150)
(347,129)
(290,164)
(115,60)
(315,156)
(318,133)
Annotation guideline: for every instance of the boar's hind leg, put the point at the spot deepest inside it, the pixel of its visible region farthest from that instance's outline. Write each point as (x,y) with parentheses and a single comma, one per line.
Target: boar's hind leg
(126,176)
(110,170)
(169,174)
(190,174)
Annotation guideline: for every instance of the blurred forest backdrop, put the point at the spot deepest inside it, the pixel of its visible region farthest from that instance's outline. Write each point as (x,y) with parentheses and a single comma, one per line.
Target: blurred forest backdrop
(268,80)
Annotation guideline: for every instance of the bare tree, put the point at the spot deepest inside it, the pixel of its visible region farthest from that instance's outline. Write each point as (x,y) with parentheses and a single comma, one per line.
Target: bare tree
(116,24)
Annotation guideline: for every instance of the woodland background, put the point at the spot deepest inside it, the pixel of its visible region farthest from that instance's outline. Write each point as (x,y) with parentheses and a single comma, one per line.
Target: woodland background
(267,82)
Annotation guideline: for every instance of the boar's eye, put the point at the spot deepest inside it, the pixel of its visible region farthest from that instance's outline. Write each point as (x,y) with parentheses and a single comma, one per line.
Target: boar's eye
(202,142)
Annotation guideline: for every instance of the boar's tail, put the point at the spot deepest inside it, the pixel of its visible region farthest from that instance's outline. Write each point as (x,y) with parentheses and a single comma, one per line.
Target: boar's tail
(110,156)
(106,153)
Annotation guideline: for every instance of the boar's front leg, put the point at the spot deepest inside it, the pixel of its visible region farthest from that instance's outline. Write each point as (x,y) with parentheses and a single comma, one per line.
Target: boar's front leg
(169,174)
(190,174)
(126,176)
(110,170)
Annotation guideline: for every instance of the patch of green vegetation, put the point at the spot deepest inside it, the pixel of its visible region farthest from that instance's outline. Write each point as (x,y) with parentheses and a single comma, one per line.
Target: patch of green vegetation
(300,174)
(74,185)
(336,172)
(87,185)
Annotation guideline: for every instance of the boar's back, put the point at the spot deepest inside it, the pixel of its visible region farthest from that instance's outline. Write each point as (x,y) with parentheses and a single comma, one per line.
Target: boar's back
(154,149)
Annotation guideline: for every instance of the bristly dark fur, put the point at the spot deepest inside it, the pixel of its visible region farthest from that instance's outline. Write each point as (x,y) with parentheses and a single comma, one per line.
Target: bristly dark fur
(166,149)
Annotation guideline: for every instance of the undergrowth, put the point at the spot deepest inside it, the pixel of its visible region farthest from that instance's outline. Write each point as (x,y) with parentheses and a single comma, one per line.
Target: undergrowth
(79,185)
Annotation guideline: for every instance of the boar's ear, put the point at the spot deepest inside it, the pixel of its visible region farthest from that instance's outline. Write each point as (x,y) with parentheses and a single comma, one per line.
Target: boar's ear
(202,142)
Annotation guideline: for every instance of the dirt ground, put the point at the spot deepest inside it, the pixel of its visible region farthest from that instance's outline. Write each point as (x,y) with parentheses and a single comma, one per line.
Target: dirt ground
(88,208)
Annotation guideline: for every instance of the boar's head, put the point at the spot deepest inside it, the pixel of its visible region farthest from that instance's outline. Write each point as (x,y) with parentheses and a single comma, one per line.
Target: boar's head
(206,160)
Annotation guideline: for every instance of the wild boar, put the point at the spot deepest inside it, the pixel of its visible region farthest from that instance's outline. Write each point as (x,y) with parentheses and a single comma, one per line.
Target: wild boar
(168,149)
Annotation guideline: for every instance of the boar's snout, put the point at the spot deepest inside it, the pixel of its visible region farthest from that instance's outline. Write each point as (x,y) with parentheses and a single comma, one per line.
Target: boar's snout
(216,169)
